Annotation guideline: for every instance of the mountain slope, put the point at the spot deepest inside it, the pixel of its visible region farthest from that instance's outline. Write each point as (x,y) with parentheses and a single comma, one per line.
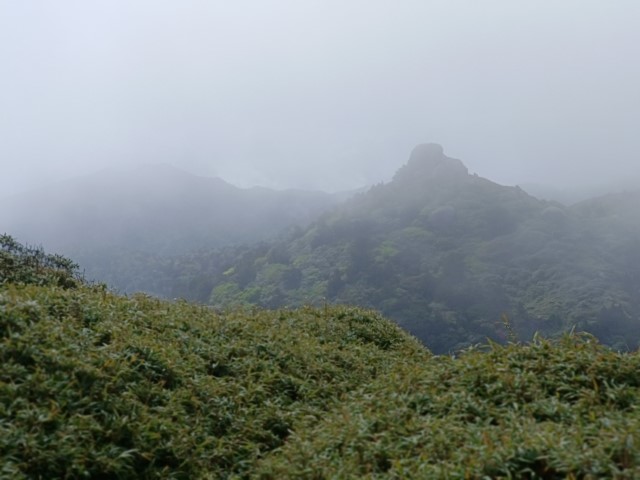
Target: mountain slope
(102,386)
(449,256)
(158,208)
(102,219)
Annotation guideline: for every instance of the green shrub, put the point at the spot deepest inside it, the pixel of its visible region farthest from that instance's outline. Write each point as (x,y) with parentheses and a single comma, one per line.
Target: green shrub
(96,385)
(31,265)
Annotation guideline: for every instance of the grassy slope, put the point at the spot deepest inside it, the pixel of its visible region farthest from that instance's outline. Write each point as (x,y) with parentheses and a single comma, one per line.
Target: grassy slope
(101,386)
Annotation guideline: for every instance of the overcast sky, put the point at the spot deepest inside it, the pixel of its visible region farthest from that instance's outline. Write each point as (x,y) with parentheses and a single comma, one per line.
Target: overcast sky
(327,94)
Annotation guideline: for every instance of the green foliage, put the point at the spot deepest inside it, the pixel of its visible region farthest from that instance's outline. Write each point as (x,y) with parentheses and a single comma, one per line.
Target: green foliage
(547,410)
(448,260)
(444,254)
(97,385)
(102,386)
(31,265)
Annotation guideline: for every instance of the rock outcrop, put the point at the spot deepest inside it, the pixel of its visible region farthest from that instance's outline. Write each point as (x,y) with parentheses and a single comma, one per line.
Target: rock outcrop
(428,164)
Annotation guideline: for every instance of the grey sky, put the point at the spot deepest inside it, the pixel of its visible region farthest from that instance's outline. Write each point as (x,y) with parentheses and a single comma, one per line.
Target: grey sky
(328,94)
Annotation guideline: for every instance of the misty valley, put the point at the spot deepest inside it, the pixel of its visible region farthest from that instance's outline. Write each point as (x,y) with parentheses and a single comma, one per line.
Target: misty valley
(158,324)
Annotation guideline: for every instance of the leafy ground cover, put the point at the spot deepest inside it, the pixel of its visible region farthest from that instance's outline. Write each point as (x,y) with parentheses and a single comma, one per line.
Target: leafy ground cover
(561,409)
(96,385)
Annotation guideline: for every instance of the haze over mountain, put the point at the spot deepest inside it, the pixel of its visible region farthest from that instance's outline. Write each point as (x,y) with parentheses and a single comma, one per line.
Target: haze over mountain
(446,254)
(569,195)
(225,311)
(155,209)
(319,94)
(159,209)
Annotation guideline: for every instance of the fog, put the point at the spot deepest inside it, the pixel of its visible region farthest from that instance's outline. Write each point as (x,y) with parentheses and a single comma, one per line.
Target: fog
(322,94)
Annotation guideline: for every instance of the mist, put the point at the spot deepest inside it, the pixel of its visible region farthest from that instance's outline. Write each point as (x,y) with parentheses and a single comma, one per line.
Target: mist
(322,95)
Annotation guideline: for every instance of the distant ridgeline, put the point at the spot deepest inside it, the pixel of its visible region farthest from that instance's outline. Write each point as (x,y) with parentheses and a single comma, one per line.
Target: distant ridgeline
(449,256)
(114,222)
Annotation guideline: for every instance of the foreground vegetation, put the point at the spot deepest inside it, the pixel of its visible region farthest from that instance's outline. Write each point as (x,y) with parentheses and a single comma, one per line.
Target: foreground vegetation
(95,385)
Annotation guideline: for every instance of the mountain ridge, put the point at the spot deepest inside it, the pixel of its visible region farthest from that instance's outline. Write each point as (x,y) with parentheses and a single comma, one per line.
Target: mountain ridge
(155,208)
(448,255)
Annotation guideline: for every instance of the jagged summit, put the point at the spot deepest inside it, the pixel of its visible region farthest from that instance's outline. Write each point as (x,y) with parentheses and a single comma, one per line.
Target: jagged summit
(427,163)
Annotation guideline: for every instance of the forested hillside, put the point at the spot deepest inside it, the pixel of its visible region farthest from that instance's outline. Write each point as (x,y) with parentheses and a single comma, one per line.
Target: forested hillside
(95,385)
(447,255)
(118,216)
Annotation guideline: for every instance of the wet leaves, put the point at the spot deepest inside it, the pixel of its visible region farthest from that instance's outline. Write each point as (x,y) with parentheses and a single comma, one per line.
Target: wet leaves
(104,386)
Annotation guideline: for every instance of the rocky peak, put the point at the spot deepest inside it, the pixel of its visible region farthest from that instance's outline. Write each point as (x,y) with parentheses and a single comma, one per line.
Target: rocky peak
(428,163)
